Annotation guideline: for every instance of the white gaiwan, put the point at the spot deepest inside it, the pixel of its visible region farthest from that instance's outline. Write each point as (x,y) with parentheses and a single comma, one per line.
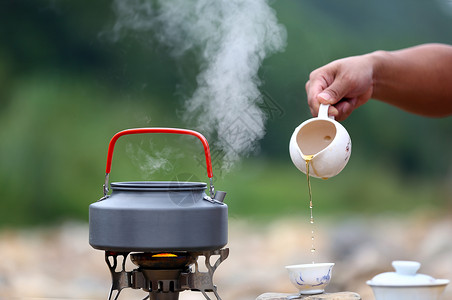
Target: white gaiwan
(310,279)
(405,284)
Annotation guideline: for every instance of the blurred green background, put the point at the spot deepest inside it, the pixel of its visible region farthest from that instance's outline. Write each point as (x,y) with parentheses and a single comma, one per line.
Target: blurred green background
(66,88)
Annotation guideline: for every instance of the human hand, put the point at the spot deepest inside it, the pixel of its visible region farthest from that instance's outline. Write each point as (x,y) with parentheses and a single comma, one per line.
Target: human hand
(345,84)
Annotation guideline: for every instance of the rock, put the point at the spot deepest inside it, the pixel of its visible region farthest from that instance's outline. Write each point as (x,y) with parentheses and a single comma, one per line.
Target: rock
(333,296)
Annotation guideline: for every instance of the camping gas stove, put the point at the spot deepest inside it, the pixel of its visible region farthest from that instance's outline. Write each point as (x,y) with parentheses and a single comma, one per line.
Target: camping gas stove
(164,275)
(165,227)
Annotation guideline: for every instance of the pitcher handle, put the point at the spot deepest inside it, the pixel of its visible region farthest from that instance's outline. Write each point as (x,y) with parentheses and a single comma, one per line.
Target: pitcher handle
(323,112)
(203,140)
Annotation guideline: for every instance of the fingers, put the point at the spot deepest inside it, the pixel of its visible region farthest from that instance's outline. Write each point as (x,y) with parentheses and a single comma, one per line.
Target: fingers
(317,83)
(345,84)
(333,93)
(323,87)
(313,88)
(344,108)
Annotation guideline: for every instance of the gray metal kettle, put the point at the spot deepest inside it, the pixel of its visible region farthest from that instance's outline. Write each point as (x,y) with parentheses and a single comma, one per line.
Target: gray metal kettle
(158,215)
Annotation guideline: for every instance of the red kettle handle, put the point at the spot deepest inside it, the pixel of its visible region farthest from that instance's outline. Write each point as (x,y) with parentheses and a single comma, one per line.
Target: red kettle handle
(113,140)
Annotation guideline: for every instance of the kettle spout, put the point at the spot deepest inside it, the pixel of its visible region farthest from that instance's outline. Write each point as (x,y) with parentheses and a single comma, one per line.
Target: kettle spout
(219,196)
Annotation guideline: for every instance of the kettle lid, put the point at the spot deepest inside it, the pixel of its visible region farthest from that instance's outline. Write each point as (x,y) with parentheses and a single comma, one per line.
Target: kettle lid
(165,186)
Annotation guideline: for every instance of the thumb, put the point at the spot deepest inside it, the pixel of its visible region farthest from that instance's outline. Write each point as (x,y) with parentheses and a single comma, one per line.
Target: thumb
(333,93)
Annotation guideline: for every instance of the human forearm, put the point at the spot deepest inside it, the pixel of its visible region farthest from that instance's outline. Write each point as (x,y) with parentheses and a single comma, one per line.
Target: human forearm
(417,79)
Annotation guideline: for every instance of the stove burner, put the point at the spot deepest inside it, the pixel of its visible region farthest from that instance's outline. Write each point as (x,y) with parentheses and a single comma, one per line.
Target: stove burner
(162,260)
(164,275)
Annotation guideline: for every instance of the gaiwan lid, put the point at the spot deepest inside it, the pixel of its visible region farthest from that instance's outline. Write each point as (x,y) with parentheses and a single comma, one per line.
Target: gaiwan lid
(405,275)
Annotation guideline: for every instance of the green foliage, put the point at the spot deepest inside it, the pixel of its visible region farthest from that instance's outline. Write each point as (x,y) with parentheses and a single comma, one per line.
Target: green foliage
(66,87)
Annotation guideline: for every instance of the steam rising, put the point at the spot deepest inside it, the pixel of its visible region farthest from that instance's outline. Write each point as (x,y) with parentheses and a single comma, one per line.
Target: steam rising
(150,163)
(230,39)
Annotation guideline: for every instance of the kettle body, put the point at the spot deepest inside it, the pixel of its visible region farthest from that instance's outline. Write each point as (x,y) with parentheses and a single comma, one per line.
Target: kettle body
(158,215)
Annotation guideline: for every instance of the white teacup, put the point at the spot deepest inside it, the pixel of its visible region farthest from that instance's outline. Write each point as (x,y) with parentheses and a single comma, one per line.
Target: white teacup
(310,279)
(324,141)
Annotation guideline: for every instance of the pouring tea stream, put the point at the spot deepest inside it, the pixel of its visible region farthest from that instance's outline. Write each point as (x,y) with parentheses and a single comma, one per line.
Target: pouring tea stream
(319,147)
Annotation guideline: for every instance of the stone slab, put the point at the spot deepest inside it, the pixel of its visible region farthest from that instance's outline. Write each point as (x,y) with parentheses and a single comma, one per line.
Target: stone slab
(332,296)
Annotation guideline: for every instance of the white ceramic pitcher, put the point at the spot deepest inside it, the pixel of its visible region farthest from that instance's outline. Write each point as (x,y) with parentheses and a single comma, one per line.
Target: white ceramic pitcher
(322,140)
